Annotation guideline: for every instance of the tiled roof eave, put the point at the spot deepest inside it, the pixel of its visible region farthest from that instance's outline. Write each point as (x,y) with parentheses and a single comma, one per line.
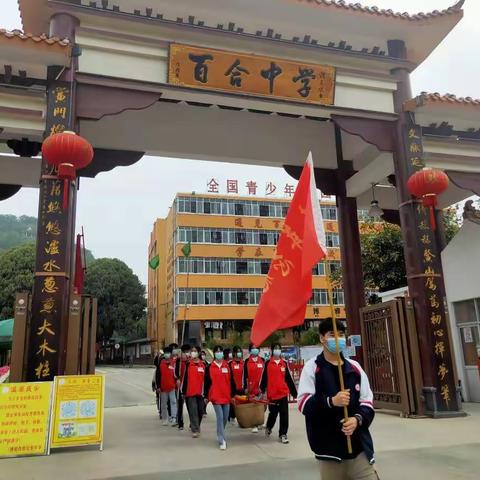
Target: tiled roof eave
(386,13)
(437,99)
(38,39)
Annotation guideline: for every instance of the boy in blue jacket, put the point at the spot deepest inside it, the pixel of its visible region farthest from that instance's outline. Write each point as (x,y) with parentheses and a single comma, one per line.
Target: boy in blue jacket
(321,401)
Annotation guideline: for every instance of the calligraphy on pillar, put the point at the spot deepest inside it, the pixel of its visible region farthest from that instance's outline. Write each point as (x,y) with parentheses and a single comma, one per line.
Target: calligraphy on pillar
(211,69)
(48,303)
(414,146)
(433,283)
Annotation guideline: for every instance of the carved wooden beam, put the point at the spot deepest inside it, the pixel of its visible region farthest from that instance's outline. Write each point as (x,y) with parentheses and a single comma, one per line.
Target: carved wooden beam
(7,191)
(380,133)
(97,101)
(105,160)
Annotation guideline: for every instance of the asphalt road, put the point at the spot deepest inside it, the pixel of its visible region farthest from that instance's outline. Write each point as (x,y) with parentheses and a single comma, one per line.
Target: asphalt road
(126,387)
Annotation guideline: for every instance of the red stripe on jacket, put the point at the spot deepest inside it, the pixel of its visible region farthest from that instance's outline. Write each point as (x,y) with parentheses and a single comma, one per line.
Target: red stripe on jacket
(168,381)
(194,378)
(220,391)
(277,387)
(253,374)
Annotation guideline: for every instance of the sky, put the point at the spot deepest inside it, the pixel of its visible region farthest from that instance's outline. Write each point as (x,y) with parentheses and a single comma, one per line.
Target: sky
(117,209)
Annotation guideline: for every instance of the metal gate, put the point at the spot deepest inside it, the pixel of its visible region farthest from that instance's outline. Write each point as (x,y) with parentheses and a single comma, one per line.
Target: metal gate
(386,356)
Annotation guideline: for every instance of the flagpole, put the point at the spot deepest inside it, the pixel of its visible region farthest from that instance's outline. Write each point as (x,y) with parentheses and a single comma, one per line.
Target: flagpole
(339,358)
(186,302)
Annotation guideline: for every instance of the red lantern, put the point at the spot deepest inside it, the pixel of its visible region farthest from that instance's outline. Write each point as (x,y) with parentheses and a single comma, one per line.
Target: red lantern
(427,184)
(68,152)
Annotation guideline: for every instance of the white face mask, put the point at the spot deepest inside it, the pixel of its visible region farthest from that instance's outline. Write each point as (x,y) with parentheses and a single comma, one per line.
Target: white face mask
(194,355)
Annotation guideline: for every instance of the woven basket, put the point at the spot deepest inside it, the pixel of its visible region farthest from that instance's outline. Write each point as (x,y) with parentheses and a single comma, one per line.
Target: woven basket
(250,415)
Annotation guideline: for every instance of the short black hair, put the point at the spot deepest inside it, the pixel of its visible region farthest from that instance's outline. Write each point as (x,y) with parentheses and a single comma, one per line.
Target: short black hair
(186,347)
(252,345)
(237,349)
(167,349)
(196,347)
(327,326)
(226,351)
(217,348)
(276,344)
(173,345)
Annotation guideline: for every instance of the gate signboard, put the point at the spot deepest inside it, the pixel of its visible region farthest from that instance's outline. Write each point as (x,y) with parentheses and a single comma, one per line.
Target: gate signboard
(232,72)
(77,414)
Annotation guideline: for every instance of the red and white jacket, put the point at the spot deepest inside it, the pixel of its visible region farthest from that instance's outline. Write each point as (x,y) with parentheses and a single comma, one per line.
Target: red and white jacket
(252,374)
(277,380)
(166,378)
(237,367)
(219,385)
(194,378)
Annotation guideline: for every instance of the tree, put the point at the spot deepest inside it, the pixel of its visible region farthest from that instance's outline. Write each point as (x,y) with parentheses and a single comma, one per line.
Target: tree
(16,274)
(310,337)
(16,230)
(382,258)
(451,223)
(121,298)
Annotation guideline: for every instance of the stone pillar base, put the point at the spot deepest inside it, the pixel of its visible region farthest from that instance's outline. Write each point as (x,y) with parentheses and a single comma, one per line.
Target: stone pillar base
(431,406)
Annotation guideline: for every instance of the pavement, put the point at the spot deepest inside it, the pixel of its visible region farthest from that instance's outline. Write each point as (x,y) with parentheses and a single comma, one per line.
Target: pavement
(137,447)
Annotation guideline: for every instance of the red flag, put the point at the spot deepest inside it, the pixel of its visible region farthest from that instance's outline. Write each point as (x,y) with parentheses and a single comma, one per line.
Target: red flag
(79,273)
(300,247)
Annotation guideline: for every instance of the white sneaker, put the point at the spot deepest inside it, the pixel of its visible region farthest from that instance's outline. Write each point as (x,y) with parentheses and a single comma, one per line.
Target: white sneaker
(223,446)
(255,430)
(165,423)
(284,439)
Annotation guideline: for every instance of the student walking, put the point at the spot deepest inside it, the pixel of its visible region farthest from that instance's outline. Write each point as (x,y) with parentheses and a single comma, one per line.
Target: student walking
(220,388)
(236,366)
(252,374)
(322,402)
(277,382)
(180,372)
(192,390)
(167,381)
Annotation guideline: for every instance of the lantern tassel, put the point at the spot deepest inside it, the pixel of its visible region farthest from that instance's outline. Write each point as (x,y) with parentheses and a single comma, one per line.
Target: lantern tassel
(66,188)
(430,201)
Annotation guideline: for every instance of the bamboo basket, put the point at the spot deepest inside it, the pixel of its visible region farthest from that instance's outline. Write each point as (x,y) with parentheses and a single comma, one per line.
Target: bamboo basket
(250,415)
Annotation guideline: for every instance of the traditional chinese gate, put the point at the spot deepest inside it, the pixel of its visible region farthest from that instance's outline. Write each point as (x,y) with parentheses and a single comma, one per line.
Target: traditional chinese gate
(389,356)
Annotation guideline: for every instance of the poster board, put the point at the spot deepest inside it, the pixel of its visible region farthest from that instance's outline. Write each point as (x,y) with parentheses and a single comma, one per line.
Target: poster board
(78,411)
(24,418)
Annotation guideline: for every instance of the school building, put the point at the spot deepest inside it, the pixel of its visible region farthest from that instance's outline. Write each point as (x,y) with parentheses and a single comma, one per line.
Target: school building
(213,293)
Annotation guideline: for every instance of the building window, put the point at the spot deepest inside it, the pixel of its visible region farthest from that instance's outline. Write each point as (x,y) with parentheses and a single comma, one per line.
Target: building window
(333,240)
(242,268)
(264,211)
(245,296)
(238,209)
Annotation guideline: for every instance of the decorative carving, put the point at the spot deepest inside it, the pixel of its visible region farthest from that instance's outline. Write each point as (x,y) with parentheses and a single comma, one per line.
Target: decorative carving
(97,101)
(105,160)
(7,191)
(380,133)
(24,147)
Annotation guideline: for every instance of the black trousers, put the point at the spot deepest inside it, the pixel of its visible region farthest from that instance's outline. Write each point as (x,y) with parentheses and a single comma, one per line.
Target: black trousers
(180,403)
(195,407)
(274,408)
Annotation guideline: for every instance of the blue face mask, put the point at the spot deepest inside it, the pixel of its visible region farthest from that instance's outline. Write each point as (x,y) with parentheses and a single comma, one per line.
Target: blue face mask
(255,351)
(332,344)
(239,354)
(277,353)
(167,356)
(219,355)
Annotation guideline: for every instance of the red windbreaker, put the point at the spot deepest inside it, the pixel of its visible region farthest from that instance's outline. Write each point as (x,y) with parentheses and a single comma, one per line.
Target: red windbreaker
(219,383)
(252,374)
(237,367)
(168,380)
(277,380)
(194,379)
